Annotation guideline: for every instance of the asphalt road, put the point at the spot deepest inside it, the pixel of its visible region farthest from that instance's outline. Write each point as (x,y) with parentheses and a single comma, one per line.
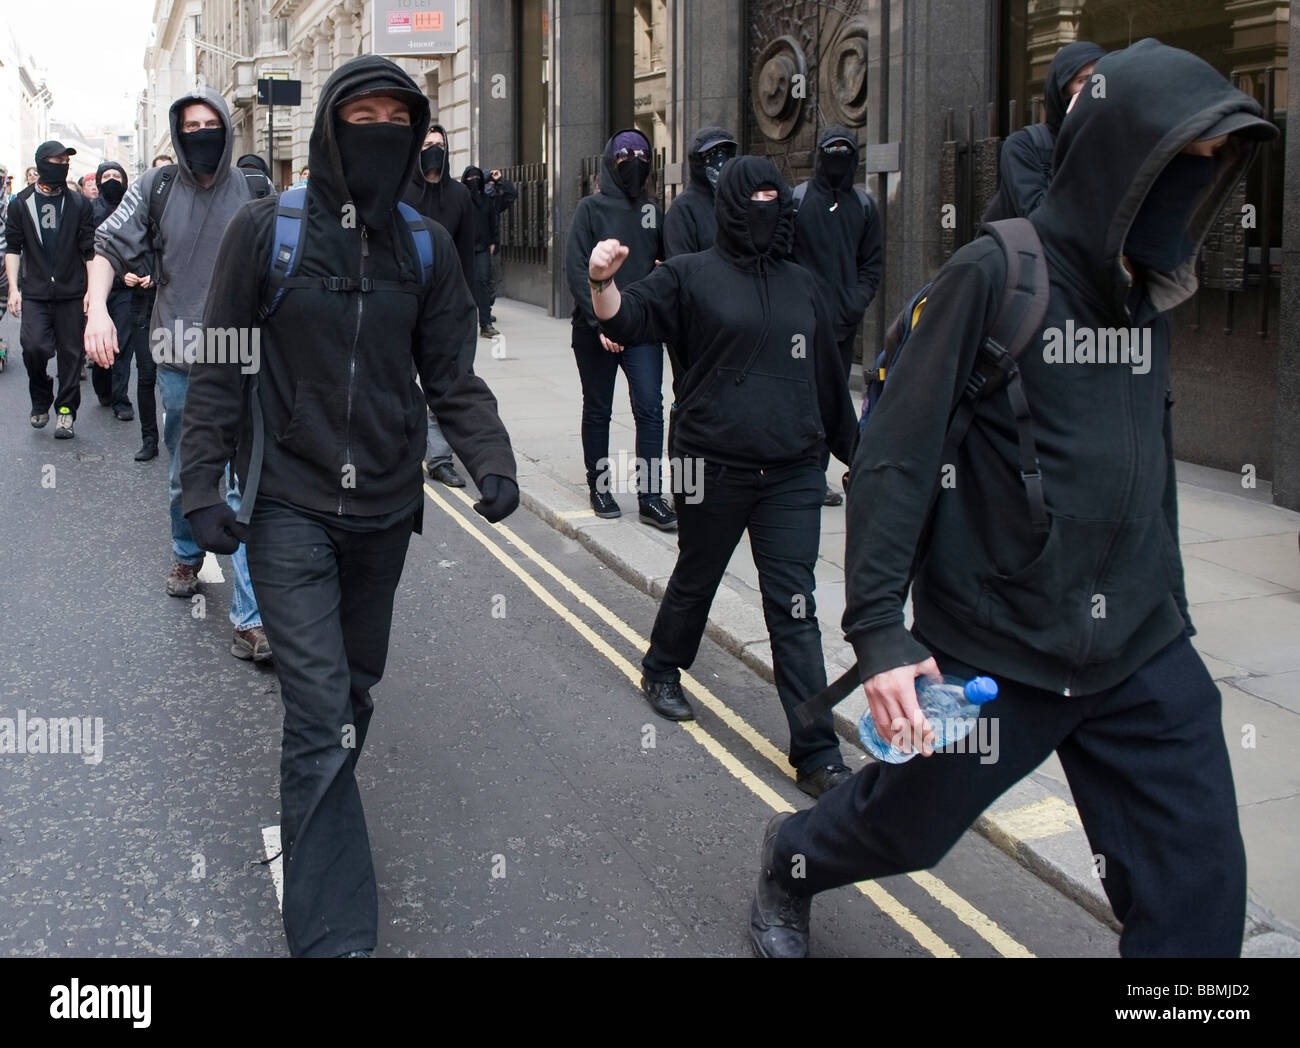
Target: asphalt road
(522,799)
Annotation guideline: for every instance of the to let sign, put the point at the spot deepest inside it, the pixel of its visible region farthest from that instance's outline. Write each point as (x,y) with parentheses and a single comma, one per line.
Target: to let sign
(414,27)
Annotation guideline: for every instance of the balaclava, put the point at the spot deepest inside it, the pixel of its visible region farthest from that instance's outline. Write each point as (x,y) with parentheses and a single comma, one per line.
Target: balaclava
(762,216)
(713,161)
(1158,237)
(433,159)
(374,158)
(631,173)
(51,175)
(203,148)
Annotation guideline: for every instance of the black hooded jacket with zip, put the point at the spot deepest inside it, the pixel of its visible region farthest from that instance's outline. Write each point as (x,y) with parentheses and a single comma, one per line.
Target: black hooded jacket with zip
(1080,609)
(761,384)
(637,223)
(74,245)
(690,224)
(837,239)
(100,208)
(344,421)
(1025,163)
(447,202)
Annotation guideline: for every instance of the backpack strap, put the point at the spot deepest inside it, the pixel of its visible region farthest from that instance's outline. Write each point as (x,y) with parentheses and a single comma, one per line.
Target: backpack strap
(286,246)
(162,188)
(421,236)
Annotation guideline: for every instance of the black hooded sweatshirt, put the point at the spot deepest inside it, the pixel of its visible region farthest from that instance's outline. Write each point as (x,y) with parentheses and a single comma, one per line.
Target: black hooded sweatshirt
(447,202)
(690,224)
(762,385)
(1025,165)
(337,387)
(1082,609)
(491,199)
(100,208)
(837,239)
(636,222)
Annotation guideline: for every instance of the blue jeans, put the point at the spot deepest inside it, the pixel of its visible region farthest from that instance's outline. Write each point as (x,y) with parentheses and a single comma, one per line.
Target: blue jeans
(243,607)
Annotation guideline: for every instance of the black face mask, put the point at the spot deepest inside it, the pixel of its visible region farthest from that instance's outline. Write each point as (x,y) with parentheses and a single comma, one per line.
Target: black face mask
(203,148)
(432,160)
(475,185)
(50,174)
(837,166)
(112,190)
(713,161)
(631,175)
(762,215)
(375,158)
(1158,238)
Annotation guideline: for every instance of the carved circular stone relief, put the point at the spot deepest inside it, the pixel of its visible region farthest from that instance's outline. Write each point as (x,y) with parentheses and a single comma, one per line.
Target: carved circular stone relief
(844,76)
(780,86)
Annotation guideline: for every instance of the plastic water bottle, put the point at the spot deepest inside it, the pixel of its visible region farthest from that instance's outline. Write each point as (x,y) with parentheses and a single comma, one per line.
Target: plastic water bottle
(950,704)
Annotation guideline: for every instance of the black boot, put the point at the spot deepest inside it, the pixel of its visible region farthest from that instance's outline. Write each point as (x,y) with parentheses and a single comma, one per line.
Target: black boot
(778,921)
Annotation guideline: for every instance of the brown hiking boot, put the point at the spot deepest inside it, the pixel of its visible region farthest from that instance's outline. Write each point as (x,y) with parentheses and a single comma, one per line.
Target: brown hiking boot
(251,644)
(183,580)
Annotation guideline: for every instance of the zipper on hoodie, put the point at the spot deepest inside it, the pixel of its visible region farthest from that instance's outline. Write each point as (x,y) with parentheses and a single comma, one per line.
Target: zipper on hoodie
(767,320)
(352,359)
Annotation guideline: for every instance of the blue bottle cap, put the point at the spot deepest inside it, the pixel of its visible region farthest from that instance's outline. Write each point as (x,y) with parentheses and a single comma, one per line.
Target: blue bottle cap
(980,690)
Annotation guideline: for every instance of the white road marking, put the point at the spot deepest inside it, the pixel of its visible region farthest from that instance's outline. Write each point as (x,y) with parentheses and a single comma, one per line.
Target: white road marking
(271,841)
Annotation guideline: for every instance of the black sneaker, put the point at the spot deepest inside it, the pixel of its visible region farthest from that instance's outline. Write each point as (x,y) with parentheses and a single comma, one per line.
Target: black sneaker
(488,332)
(655,512)
(148,450)
(832,498)
(666,699)
(445,473)
(605,505)
(124,414)
(778,921)
(815,783)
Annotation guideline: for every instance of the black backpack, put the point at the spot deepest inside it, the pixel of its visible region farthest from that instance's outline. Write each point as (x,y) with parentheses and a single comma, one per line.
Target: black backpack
(258,184)
(1017,321)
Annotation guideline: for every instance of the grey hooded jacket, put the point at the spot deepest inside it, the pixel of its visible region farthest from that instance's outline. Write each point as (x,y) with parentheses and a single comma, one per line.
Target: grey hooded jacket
(192,224)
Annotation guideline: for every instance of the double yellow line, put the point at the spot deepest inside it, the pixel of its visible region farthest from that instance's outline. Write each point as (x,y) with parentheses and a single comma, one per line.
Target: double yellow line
(968,914)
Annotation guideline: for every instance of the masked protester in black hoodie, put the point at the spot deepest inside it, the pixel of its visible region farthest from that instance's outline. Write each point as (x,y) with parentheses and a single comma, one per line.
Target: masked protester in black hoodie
(112,384)
(331,468)
(837,239)
(1085,629)
(489,197)
(622,211)
(447,202)
(690,225)
(1025,165)
(761,400)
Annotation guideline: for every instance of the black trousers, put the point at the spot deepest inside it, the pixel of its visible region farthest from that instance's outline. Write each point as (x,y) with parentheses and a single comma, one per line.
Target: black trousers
(782,512)
(146,369)
(326,597)
(114,383)
(49,328)
(1148,767)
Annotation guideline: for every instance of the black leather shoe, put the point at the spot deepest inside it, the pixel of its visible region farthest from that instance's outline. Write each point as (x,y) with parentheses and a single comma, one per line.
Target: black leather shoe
(817,782)
(832,498)
(604,504)
(445,473)
(666,699)
(778,921)
(104,399)
(655,512)
(124,415)
(147,451)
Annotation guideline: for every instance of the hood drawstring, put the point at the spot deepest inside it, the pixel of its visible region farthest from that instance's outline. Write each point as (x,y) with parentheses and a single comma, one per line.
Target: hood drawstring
(765,302)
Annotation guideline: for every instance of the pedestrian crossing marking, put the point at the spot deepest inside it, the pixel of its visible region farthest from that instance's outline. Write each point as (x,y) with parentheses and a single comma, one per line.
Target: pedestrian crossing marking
(892,907)
(1045,818)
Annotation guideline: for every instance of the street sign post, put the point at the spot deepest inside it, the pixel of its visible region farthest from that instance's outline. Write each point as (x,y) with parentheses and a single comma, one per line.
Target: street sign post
(413,28)
(270,92)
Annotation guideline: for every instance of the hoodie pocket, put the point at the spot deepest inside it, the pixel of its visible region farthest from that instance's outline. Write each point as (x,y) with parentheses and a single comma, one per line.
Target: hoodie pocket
(766,418)
(315,430)
(1028,601)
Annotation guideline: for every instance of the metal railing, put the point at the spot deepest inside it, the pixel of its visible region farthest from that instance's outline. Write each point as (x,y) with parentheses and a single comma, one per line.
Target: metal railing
(525,227)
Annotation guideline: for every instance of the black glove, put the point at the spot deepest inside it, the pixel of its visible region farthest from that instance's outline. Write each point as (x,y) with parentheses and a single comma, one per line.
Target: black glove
(500,498)
(215,528)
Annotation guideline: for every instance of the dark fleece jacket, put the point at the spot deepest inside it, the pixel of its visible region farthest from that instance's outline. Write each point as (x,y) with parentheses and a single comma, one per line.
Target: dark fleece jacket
(988,590)
(344,420)
(761,385)
(447,202)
